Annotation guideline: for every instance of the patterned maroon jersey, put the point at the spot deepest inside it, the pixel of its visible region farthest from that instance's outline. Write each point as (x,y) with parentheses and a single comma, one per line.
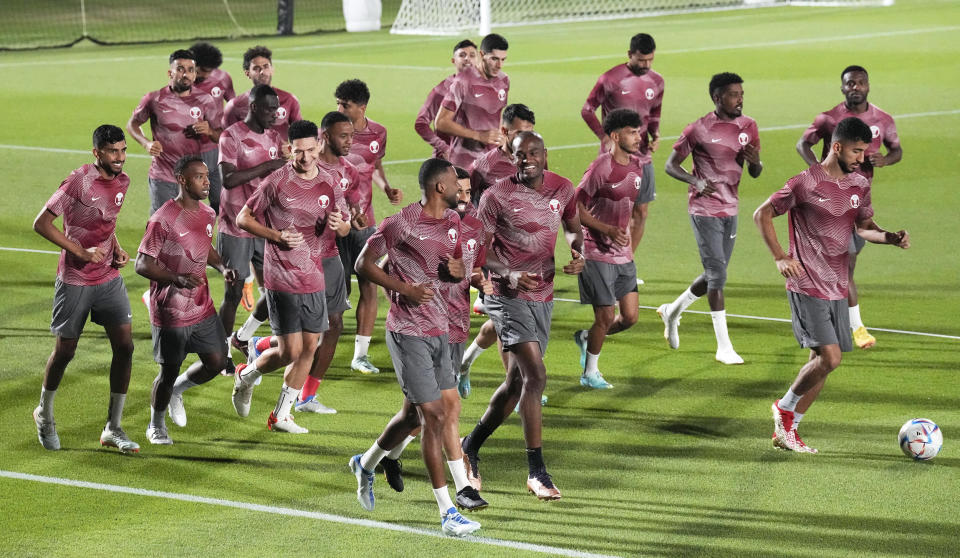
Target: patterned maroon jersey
(458,294)
(488,169)
(717,147)
(218,85)
(619,87)
(429,110)
(417,246)
(608,190)
(243,148)
(823,214)
(284,201)
(369,145)
(180,242)
(287,113)
(170,115)
(881,124)
(89,205)
(524,224)
(476,103)
(339,175)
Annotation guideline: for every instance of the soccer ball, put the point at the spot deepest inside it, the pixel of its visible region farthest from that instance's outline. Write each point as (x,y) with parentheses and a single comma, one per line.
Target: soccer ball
(920,439)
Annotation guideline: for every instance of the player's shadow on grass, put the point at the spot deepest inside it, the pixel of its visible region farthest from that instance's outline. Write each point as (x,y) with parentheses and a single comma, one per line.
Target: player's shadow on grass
(8,332)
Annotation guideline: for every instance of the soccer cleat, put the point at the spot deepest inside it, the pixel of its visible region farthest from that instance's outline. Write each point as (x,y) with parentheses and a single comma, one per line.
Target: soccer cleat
(463,382)
(364,483)
(247,300)
(46,431)
(117,438)
(177,413)
(364,366)
(595,380)
(242,393)
(239,345)
(229,369)
(471,462)
(729,357)
(393,471)
(455,525)
(158,436)
(543,403)
(312,405)
(670,326)
(792,442)
(284,425)
(541,485)
(580,338)
(479,308)
(782,422)
(639,281)
(863,339)
(252,352)
(469,499)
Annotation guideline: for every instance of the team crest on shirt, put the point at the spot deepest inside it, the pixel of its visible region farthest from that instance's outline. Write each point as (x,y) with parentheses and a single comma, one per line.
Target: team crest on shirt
(344,183)
(195,112)
(216,92)
(281,113)
(272,152)
(876,131)
(854,201)
(210,230)
(471,245)
(743,138)
(324,201)
(650,94)
(637,182)
(452,234)
(374,146)
(502,94)
(118,199)
(555,205)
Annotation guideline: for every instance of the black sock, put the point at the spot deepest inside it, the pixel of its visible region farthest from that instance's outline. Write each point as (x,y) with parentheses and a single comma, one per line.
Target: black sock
(474,440)
(535,461)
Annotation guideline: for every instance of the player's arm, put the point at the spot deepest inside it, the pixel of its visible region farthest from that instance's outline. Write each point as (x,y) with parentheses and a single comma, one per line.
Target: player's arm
(892,157)
(573,233)
(290,238)
(120,256)
(763,217)
(148,267)
(43,225)
(367,268)
(233,177)
(653,123)
(751,154)
(204,128)
(870,231)
(425,119)
(480,281)
(135,130)
(805,149)
(214,261)
(616,234)
(589,111)
(445,124)
(674,169)
(395,195)
(638,223)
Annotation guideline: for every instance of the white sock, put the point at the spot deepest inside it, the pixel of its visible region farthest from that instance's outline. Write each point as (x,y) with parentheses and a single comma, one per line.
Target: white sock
(459,473)
(361,346)
(249,279)
(796,419)
(46,403)
(395,452)
(471,354)
(250,374)
(591,366)
(855,320)
(248,328)
(682,302)
(116,410)
(372,457)
(719,318)
(156,418)
(287,397)
(182,384)
(789,401)
(443,498)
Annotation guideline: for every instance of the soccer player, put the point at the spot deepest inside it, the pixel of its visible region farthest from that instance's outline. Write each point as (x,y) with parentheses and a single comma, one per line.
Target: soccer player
(366,153)
(825,204)
(290,209)
(855,85)
(720,142)
(607,203)
(470,111)
(422,242)
(250,150)
(210,78)
(88,280)
(634,86)
(173,255)
(464,55)
(182,122)
(520,218)
(258,67)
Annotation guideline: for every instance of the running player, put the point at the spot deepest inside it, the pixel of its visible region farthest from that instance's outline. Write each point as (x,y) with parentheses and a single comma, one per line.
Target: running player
(258,67)
(855,85)
(606,202)
(464,55)
(470,111)
(520,217)
(173,255)
(422,243)
(290,209)
(88,280)
(366,153)
(825,203)
(210,78)
(720,143)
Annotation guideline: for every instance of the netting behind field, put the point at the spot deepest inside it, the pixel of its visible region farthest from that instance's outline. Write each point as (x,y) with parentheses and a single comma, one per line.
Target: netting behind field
(30,24)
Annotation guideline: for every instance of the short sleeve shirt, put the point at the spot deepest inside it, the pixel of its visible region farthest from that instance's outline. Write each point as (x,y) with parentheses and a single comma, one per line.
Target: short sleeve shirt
(218,85)
(243,148)
(823,212)
(619,87)
(476,103)
(340,176)
(180,241)
(89,205)
(369,145)
(287,113)
(488,169)
(458,294)
(881,125)
(608,191)
(717,147)
(524,224)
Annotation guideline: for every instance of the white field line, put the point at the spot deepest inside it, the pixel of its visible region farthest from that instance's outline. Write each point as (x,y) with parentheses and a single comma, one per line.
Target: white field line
(292,512)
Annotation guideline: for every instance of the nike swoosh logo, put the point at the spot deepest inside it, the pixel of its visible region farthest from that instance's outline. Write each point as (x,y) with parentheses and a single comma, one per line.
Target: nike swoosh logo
(614,185)
(247,152)
(129,315)
(622,92)
(823,199)
(478,94)
(734,235)
(96,198)
(714,140)
(166,111)
(516,209)
(291,199)
(184,233)
(422,237)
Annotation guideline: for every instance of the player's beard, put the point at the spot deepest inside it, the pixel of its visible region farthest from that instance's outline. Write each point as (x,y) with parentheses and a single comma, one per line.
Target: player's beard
(638,71)
(846,168)
(181,86)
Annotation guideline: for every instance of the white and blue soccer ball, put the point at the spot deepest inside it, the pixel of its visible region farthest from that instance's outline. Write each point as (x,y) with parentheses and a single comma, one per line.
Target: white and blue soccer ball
(920,439)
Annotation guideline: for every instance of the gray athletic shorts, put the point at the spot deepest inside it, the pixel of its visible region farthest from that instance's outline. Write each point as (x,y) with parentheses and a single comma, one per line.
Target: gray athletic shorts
(715,239)
(161,191)
(295,312)
(216,181)
(603,284)
(336,293)
(456,356)
(239,252)
(106,303)
(856,243)
(520,321)
(818,322)
(422,364)
(350,247)
(171,344)
(648,186)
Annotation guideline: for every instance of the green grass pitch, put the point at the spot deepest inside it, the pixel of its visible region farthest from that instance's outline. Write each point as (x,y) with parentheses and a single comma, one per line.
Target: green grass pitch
(675,461)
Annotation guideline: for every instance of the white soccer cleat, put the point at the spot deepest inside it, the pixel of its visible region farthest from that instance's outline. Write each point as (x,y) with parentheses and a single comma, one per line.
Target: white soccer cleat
(46,431)
(670,326)
(177,413)
(729,356)
(312,405)
(364,483)
(455,525)
(117,438)
(364,366)
(158,436)
(242,393)
(285,425)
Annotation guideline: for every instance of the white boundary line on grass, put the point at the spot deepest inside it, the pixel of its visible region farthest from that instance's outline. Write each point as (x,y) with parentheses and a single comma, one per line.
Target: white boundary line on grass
(292,512)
